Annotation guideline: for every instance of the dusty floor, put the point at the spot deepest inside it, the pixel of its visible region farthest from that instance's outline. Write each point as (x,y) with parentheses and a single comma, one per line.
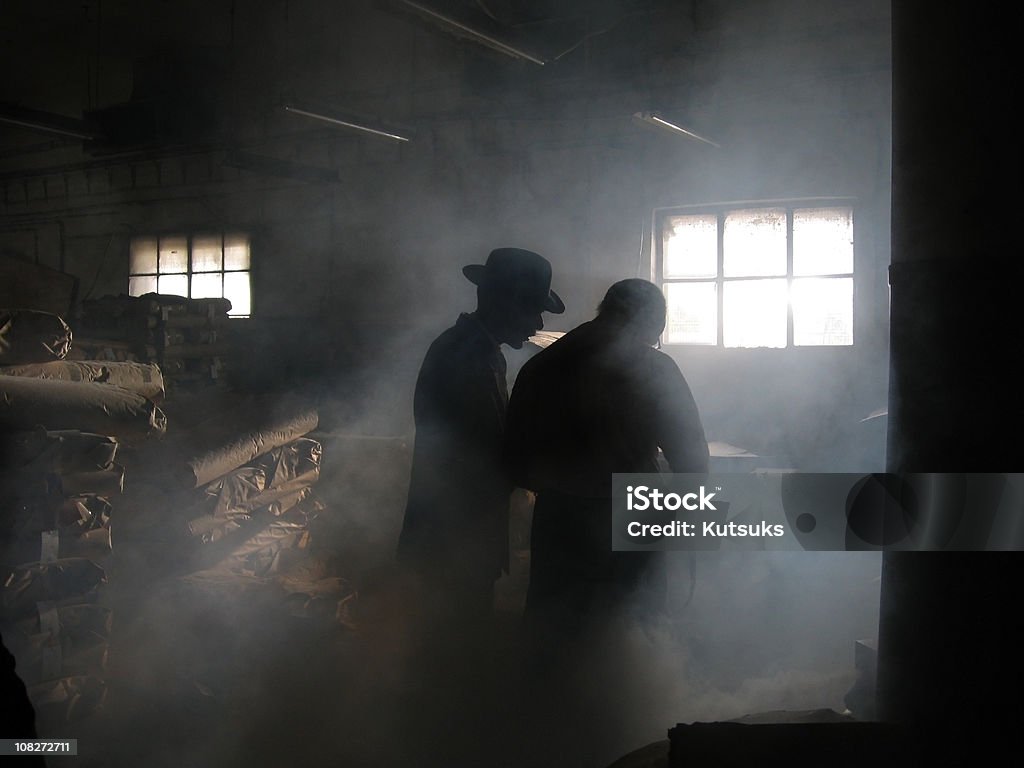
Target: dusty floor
(213,674)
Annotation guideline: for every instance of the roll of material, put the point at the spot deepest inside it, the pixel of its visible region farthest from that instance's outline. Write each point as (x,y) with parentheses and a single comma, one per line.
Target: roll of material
(294,464)
(81,622)
(232,491)
(68,699)
(31,336)
(143,378)
(89,407)
(62,544)
(275,475)
(235,450)
(103,482)
(56,451)
(60,641)
(69,517)
(208,529)
(83,512)
(74,579)
(94,544)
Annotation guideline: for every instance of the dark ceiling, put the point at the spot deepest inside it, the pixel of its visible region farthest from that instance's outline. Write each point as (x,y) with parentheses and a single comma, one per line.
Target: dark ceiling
(120,75)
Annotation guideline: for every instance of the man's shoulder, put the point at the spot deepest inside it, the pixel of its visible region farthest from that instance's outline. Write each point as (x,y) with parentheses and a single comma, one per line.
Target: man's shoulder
(458,352)
(651,362)
(550,359)
(464,335)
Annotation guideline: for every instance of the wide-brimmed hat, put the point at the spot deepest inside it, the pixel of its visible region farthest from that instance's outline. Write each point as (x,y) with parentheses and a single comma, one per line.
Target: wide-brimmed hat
(525,275)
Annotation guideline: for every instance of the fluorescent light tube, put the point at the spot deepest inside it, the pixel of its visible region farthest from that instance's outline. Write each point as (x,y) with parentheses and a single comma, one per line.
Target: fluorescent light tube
(653,118)
(345,123)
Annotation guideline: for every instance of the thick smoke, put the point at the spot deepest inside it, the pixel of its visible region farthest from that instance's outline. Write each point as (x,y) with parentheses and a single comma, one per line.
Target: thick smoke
(366,273)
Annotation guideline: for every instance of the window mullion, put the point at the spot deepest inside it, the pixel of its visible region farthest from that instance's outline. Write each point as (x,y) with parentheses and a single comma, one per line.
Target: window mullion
(223,264)
(657,257)
(720,280)
(789,277)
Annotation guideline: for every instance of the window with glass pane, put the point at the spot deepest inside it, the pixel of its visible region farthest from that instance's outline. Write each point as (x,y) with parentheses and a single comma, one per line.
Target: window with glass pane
(758,276)
(199,266)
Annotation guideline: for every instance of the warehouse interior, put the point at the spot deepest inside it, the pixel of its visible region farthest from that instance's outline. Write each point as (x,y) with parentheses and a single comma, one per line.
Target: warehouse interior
(343,161)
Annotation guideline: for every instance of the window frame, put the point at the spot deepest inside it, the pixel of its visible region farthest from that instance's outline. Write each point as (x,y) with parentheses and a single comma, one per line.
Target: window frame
(190,237)
(720,210)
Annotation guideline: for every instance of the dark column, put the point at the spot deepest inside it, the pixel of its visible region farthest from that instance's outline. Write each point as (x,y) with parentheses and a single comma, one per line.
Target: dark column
(951,638)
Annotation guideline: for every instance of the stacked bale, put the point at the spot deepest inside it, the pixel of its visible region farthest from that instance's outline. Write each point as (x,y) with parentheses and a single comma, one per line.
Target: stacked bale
(231,503)
(240,476)
(58,634)
(31,336)
(54,537)
(142,378)
(185,337)
(61,425)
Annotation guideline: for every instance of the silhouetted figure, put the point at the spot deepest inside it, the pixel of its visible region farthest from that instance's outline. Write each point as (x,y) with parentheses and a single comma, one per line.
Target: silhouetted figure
(600,400)
(455,532)
(454,537)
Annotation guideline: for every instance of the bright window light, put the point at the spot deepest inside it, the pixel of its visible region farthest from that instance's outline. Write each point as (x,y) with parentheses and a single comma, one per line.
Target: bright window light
(691,246)
(822,241)
(755,313)
(822,311)
(755,243)
(200,266)
(692,314)
(758,276)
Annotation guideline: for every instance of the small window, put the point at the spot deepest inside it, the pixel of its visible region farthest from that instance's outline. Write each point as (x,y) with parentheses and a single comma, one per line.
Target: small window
(776,275)
(202,266)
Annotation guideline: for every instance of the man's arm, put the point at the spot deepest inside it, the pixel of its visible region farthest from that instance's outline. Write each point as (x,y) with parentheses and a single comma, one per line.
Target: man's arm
(518,426)
(680,431)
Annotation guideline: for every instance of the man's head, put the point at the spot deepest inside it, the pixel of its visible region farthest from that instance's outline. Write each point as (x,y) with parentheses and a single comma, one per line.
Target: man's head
(638,306)
(513,288)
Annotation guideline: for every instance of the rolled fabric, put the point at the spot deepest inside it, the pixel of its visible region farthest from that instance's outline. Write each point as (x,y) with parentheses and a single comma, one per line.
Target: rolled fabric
(41,658)
(61,544)
(231,491)
(68,699)
(41,514)
(144,378)
(209,529)
(235,450)
(283,501)
(24,586)
(195,321)
(256,554)
(60,641)
(83,512)
(299,460)
(81,622)
(89,407)
(31,336)
(62,450)
(273,477)
(94,544)
(189,351)
(104,482)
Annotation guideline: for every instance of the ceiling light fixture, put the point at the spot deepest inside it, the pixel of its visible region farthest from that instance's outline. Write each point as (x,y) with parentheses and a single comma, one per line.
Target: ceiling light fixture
(46,122)
(387,134)
(653,118)
(462,30)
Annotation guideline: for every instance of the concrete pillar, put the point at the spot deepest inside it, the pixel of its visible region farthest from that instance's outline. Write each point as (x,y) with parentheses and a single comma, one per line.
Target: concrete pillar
(951,637)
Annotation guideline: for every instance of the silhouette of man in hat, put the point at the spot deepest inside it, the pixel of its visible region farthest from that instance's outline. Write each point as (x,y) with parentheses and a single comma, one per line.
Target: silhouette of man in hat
(455,532)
